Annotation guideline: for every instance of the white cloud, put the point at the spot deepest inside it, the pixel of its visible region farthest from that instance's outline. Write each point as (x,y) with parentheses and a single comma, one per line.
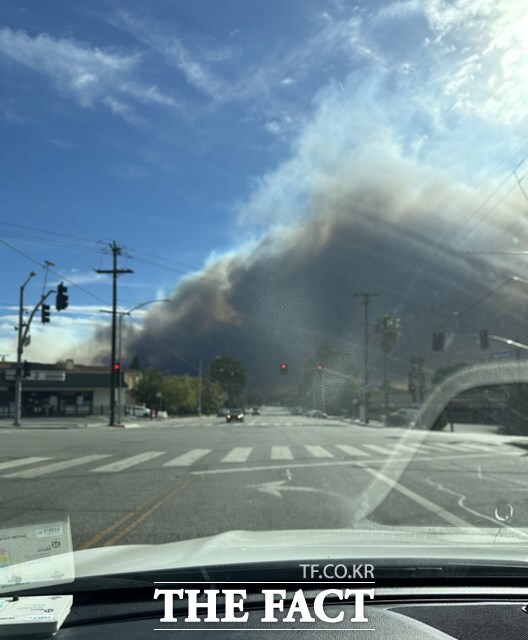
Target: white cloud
(66,145)
(480,53)
(87,74)
(171,48)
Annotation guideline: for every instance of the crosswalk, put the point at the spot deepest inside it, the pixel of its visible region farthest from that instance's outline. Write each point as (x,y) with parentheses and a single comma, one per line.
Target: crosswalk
(38,466)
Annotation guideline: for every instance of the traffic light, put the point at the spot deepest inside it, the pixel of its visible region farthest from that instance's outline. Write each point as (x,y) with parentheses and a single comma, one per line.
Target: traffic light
(283,368)
(483,338)
(319,368)
(26,371)
(438,341)
(45,313)
(117,367)
(61,301)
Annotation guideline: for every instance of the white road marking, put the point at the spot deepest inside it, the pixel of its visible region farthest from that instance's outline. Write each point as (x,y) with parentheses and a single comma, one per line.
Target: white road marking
(186,459)
(56,466)
(20,462)
(420,500)
(318,452)
(467,445)
(126,463)
(361,464)
(417,446)
(281,453)
(238,454)
(351,451)
(378,449)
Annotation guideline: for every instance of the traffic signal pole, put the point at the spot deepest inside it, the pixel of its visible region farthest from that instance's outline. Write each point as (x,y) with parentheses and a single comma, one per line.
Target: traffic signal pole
(20,349)
(366,301)
(23,331)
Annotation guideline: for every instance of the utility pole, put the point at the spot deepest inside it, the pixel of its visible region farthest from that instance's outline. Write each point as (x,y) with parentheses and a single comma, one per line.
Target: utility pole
(116,252)
(200,386)
(365,298)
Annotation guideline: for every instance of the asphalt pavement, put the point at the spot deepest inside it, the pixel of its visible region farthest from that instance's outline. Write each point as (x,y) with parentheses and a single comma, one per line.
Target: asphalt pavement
(195,477)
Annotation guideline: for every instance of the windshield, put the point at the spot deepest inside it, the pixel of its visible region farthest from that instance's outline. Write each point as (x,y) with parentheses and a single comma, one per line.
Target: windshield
(311,211)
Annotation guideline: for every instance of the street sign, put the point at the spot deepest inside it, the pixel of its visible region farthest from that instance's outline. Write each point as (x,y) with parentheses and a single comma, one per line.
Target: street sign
(500,355)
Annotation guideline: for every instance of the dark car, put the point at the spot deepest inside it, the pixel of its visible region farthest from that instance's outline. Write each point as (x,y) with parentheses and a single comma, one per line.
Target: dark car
(235,415)
(255,411)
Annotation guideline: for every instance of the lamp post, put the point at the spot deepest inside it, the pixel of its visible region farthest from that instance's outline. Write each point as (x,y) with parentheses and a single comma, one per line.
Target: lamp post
(120,342)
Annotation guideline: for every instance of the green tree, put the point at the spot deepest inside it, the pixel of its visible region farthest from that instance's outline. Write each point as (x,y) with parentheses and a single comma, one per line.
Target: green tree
(231,375)
(387,332)
(211,396)
(146,388)
(180,394)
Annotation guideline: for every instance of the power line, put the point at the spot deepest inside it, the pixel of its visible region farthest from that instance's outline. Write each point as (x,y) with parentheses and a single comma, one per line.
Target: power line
(55,273)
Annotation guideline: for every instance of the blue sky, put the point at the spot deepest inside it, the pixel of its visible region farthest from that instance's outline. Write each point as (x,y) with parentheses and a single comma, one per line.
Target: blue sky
(189,130)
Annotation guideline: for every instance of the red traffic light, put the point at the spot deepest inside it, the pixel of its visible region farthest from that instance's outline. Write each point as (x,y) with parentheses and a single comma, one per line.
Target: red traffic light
(283,367)
(117,366)
(319,367)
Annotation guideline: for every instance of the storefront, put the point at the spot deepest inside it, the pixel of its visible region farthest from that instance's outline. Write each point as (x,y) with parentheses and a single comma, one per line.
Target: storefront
(64,389)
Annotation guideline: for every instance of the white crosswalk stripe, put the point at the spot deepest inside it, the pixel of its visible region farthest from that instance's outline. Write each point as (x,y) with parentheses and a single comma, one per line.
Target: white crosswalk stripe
(378,449)
(126,463)
(56,466)
(417,447)
(186,459)
(351,451)
(281,453)
(238,454)
(318,452)
(9,464)
(467,446)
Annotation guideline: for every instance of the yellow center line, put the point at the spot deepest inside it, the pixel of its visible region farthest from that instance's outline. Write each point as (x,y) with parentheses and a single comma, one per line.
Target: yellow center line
(95,539)
(134,524)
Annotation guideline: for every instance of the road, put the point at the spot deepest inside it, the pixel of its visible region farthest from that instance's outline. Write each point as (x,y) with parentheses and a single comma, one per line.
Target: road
(200,476)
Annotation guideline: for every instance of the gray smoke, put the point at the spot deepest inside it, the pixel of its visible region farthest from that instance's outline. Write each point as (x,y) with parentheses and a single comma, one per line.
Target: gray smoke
(282,297)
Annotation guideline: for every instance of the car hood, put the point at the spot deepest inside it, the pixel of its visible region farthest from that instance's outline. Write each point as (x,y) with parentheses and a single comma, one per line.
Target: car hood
(244,547)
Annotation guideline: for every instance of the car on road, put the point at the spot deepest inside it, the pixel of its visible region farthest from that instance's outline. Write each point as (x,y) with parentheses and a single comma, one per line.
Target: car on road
(138,412)
(316,413)
(235,415)
(401,418)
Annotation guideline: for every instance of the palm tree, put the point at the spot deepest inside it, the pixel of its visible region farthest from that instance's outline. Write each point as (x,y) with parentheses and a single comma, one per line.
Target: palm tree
(387,331)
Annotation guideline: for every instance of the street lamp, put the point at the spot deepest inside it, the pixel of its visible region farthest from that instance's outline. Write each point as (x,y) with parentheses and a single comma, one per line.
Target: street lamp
(120,342)
(20,349)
